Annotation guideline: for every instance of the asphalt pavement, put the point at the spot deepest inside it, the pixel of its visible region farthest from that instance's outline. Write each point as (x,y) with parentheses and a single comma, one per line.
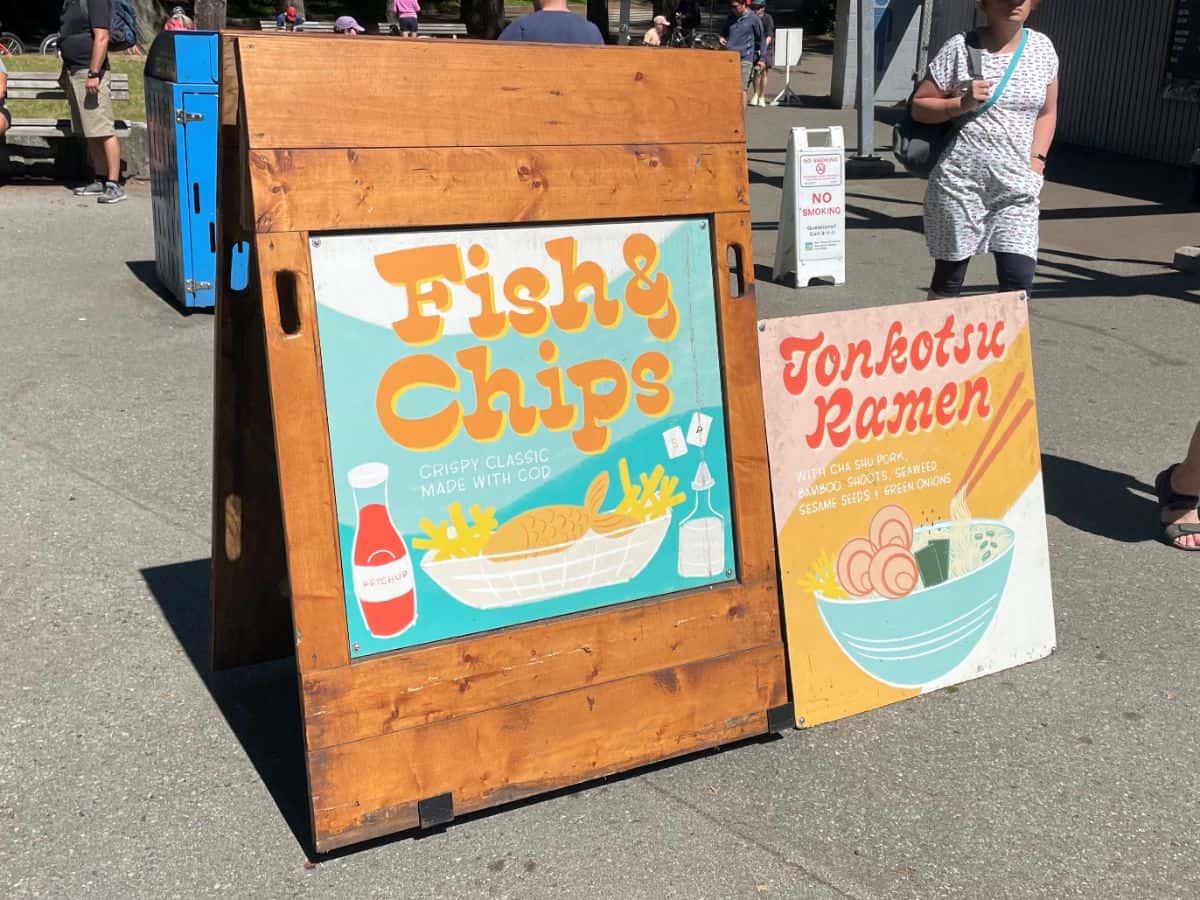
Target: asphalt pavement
(126,769)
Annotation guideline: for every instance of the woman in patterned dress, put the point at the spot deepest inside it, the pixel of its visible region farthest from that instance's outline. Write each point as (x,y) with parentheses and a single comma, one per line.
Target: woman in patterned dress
(983,193)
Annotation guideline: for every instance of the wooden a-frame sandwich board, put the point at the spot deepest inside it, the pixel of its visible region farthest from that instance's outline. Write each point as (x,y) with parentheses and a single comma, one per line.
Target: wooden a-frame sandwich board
(607,145)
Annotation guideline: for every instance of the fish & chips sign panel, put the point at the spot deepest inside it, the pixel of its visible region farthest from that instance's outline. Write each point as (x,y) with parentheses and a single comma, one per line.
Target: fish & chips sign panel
(908,501)
(524,422)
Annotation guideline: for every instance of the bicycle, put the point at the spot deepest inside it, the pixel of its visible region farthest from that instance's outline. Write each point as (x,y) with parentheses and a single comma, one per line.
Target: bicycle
(10,44)
(49,45)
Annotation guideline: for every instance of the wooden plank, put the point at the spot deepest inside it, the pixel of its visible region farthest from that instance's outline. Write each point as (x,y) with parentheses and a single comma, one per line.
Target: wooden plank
(310,26)
(59,128)
(250,613)
(27,92)
(302,449)
(429,684)
(297,190)
(227,80)
(616,96)
(368,788)
(755,533)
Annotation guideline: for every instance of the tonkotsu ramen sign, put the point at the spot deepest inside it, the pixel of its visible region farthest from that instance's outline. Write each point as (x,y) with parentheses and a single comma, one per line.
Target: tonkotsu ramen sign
(907,497)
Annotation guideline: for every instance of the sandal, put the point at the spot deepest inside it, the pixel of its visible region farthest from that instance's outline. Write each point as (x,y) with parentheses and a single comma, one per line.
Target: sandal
(1170,501)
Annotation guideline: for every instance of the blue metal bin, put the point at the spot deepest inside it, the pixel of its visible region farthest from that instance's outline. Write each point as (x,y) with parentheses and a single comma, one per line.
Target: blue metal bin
(182,120)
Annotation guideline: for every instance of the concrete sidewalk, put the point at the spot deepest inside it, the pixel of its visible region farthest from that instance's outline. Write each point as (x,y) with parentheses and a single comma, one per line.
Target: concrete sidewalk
(127,770)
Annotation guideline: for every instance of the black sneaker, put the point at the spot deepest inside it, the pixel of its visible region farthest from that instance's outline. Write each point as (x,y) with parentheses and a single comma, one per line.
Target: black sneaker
(95,189)
(113,193)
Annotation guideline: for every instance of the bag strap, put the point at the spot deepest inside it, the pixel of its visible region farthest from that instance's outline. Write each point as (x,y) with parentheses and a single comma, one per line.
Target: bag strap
(1012,67)
(975,61)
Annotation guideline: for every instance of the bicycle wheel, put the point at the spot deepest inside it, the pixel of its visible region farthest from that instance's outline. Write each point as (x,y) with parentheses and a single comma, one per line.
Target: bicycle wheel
(11,43)
(49,45)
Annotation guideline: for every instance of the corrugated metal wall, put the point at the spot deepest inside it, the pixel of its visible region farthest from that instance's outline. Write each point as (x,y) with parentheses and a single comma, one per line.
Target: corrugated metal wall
(1113,55)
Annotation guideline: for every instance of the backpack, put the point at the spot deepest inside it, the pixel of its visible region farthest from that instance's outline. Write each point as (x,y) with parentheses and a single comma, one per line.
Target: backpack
(122,30)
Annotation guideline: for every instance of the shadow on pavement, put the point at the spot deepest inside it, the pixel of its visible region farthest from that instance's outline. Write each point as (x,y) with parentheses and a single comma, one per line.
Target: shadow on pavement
(260,703)
(262,706)
(144,271)
(1061,274)
(1099,501)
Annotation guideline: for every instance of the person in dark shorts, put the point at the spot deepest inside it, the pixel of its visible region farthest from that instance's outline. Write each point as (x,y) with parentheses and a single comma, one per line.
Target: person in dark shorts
(552,23)
(87,83)
(406,16)
(759,8)
(743,34)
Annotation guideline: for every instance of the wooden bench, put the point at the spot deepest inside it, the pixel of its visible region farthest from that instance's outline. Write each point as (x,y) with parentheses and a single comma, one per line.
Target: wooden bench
(427,29)
(307,26)
(452,30)
(45,86)
(37,143)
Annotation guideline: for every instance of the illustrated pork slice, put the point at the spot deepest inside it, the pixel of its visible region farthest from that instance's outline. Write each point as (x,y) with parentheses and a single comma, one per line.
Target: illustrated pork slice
(891,526)
(893,572)
(854,566)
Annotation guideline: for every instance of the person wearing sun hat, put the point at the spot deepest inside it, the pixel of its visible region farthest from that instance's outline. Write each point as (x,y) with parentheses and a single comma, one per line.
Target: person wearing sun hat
(347,25)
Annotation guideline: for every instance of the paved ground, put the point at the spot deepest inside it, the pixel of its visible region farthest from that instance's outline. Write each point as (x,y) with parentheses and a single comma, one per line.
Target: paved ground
(126,770)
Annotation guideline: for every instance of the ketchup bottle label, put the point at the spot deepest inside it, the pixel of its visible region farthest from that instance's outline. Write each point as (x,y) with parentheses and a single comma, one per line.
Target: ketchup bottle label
(383,583)
(381,568)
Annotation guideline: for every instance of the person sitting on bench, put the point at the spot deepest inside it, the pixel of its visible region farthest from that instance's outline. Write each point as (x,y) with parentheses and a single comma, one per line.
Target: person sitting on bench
(289,19)
(5,115)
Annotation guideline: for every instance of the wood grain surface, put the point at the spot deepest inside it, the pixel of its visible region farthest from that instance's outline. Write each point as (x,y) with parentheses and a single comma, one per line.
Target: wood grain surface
(249,610)
(302,446)
(298,190)
(428,684)
(367,788)
(484,94)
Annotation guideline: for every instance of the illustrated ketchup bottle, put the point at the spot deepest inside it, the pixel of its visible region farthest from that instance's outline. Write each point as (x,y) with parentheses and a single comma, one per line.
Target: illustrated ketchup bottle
(382,568)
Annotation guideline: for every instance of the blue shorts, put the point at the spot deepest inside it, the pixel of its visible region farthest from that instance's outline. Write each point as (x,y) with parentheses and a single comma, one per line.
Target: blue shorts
(407,24)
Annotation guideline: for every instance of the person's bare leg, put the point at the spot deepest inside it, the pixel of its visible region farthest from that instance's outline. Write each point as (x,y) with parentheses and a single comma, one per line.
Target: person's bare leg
(1185,479)
(111,151)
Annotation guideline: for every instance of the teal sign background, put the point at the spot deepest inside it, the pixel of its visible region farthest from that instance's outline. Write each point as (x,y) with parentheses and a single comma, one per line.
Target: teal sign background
(516,474)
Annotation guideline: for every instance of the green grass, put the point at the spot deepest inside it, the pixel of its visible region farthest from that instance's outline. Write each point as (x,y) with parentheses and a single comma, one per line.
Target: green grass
(134,108)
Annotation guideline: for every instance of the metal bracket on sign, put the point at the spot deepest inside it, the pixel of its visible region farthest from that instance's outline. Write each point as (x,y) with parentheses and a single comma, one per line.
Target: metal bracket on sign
(780,718)
(436,810)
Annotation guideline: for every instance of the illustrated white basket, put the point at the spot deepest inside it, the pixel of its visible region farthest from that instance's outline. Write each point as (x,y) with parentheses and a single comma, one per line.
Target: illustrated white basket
(510,579)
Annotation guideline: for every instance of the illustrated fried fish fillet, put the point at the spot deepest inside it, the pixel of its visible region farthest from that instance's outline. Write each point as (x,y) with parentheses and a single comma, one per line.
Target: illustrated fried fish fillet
(536,532)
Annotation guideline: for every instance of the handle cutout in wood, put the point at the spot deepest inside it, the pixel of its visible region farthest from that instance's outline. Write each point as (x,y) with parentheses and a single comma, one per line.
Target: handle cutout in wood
(285,296)
(737,274)
(233,527)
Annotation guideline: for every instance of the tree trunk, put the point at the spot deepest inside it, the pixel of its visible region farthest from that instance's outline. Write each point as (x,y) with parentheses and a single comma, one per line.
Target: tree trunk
(210,14)
(150,17)
(483,18)
(597,13)
(366,12)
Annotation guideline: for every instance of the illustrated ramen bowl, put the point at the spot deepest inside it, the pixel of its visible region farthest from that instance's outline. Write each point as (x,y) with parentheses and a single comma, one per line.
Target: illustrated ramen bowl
(510,579)
(917,639)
